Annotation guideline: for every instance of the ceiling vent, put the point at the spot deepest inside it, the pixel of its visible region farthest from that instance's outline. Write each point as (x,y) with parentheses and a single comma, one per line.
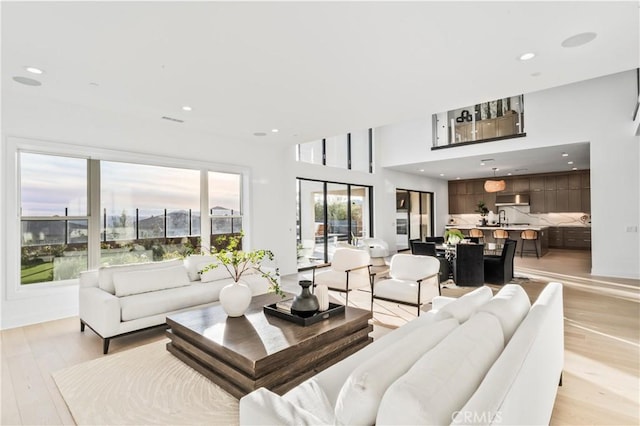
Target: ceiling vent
(177,120)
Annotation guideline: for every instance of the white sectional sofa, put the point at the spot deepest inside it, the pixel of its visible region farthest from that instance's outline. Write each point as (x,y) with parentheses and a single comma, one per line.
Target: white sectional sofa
(474,360)
(118,300)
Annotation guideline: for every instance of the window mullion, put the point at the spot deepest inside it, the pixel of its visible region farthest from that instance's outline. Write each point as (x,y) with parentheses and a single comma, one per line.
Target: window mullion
(93,199)
(205,212)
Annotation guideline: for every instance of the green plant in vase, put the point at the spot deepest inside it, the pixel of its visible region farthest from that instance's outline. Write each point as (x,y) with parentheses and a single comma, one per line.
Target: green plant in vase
(483,210)
(453,236)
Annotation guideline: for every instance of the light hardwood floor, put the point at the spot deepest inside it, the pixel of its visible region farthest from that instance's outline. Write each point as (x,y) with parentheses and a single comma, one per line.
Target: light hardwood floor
(602,349)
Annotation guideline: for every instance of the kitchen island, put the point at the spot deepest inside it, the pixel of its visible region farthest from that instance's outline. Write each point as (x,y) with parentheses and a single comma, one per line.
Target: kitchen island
(514,234)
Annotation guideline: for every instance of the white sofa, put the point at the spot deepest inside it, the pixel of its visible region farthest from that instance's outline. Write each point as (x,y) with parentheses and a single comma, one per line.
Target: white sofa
(118,300)
(472,360)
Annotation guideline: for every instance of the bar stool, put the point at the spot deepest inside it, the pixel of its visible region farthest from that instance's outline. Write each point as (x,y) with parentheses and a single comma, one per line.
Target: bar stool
(477,233)
(529,235)
(500,234)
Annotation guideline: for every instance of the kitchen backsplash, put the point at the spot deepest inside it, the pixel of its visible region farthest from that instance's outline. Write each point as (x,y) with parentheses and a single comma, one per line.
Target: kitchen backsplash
(521,215)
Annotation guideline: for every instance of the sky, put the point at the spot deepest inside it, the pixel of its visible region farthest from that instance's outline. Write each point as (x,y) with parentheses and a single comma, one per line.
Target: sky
(51,183)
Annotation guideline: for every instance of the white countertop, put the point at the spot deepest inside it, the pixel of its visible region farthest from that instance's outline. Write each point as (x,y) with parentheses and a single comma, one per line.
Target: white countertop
(506,228)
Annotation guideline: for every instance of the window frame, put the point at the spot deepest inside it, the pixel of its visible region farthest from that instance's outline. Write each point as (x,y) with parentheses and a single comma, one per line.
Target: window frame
(11,196)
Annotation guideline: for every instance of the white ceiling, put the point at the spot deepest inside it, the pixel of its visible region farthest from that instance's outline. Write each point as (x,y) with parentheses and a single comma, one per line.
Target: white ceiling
(310,69)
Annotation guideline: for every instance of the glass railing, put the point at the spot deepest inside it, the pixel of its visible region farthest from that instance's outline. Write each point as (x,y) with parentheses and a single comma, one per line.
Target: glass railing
(488,121)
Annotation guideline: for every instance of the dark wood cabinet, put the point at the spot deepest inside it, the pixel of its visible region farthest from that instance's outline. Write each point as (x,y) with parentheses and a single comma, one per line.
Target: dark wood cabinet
(570,237)
(556,237)
(567,192)
(536,183)
(536,201)
(577,237)
(521,185)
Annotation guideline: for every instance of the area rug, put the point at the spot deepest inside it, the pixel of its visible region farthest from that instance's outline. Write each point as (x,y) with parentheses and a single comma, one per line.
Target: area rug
(143,386)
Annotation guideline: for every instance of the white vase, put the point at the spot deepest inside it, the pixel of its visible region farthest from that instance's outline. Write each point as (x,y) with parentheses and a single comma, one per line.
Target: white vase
(235,299)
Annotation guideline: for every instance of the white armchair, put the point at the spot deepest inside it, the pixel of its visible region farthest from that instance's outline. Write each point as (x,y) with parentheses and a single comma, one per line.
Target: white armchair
(414,280)
(378,249)
(350,269)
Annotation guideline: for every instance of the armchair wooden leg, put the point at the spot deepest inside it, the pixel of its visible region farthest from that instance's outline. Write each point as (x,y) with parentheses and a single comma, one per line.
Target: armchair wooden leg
(105,345)
(81,326)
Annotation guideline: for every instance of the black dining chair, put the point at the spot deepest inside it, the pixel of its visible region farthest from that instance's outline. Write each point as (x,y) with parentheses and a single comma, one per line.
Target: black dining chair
(468,266)
(499,269)
(422,248)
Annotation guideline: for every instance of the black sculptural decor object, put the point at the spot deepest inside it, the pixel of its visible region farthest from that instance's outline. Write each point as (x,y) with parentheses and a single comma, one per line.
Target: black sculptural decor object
(305,304)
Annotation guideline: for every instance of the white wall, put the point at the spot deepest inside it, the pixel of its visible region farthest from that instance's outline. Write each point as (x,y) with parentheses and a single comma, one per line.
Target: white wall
(598,111)
(272,190)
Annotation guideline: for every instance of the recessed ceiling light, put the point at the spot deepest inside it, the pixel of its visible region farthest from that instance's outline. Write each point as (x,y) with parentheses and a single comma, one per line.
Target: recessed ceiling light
(569,162)
(458,178)
(27,81)
(94,84)
(421,170)
(274,130)
(527,56)
(496,169)
(186,108)
(441,174)
(509,174)
(574,168)
(34,70)
(259,134)
(579,39)
(482,164)
(564,154)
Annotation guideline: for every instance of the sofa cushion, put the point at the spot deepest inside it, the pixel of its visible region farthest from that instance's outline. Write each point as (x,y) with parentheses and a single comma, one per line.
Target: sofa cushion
(510,306)
(163,301)
(135,282)
(360,396)
(105,273)
(466,305)
(442,380)
(310,396)
(195,262)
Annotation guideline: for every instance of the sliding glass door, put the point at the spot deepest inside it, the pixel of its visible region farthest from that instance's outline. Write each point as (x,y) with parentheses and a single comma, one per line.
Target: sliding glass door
(329,214)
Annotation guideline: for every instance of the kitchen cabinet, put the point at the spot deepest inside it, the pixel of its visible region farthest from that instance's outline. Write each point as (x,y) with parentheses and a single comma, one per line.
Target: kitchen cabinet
(537,202)
(556,237)
(520,185)
(562,182)
(570,237)
(536,183)
(577,237)
(548,193)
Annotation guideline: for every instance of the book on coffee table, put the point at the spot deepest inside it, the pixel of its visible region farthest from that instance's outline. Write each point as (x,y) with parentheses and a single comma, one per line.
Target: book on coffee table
(284,305)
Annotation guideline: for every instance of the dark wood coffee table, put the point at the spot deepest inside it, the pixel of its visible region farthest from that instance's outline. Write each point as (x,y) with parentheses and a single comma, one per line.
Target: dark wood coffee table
(258,350)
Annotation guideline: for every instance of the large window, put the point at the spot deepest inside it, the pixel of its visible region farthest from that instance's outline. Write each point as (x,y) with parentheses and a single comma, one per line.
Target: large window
(148,212)
(54,217)
(225,211)
(77,214)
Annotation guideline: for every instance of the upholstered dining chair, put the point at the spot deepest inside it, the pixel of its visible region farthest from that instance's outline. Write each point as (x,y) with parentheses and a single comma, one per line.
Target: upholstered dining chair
(350,269)
(468,265)
(499,269)
(413,280)
(424,249)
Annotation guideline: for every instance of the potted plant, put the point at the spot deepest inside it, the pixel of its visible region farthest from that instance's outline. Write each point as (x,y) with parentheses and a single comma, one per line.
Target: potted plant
(235,298)
(483,210)
(453,236)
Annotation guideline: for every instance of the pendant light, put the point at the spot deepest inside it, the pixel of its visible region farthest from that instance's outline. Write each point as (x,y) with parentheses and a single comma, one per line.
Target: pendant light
(494,185)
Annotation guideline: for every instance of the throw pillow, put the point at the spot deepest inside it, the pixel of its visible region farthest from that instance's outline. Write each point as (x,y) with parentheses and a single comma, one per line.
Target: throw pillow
(135,282)
(466,305)
(444,378)
(360,396)
(105,273)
